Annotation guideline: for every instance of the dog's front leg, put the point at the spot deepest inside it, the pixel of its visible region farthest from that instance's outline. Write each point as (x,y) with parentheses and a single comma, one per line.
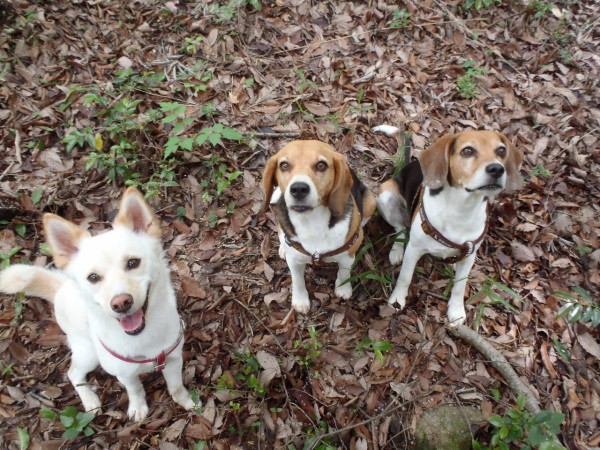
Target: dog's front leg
(173,377)
(138,408)
(83,361)
(456,304)
(344,265)
(411,258)
(300,300)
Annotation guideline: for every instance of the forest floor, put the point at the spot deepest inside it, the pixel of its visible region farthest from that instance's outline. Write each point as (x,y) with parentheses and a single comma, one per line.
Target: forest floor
(188,100)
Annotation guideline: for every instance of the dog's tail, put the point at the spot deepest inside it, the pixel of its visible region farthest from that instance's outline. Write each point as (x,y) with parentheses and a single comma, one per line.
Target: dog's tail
(401,137)
(34,281)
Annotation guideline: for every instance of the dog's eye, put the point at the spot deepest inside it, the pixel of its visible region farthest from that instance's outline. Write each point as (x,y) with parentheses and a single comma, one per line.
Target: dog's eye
(321,166)
(93,278)
(467,152)
(501,151)
(133,263)
(284,166)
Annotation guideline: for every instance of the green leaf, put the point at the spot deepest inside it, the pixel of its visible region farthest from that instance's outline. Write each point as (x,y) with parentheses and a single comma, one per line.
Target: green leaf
(585,294)
(566,295)
(575,313)
(217,128)
(70,433)
(233,134)
(21,229)
(23,438)
(536,435)
(84,419)
(200,445)
(382,346)
(542,416)
(214,138)
(201,138)
(88,431)
(187,143)
(48,414)
(496,420)
(68,415)
(36,195)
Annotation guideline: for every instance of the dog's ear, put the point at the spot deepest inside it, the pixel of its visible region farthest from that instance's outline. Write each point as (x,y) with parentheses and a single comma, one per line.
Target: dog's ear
(136,214)
(513,164)
(435,161)
(63,237)
(342,184)
(269,181)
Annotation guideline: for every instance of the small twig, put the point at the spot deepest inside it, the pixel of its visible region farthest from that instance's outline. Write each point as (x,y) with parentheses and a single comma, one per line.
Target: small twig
(499,362)
(18,146)
(12,163)
(276,134)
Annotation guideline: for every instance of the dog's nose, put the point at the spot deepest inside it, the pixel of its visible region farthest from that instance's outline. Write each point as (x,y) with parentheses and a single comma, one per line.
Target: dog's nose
(121,303)
(495,170)
(299,190)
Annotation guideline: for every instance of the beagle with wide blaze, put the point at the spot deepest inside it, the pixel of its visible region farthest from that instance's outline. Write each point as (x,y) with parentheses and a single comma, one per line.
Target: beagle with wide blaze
(321,207)
(443,197)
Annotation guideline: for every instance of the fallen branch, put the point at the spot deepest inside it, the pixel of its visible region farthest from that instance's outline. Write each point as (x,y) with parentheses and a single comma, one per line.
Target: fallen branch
(499,363)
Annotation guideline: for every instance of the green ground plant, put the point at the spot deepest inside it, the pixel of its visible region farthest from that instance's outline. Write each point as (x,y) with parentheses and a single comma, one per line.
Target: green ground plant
(579,306)
(540,171)
(5,257)
(375,346)
(310,349)
(7,370)
(478,4)
(400,19)
(122,129)
(74,422)
(518,428)
(487,291)
(467,84)
(249,373)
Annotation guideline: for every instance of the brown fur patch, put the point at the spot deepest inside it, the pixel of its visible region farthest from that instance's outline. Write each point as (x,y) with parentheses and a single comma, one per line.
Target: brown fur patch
(136,214)
(63,238)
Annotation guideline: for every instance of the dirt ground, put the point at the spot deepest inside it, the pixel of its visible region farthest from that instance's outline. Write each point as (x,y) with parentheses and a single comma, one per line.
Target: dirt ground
(188,100)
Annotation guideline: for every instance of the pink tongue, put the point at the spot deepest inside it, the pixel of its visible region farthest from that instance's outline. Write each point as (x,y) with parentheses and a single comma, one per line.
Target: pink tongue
(133,321)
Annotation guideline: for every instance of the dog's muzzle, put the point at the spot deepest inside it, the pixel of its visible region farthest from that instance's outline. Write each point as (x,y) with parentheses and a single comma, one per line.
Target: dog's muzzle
(299,192)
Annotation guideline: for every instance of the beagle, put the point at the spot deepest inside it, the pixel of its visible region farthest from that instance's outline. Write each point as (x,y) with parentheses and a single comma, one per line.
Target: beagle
(444,197)
(321,207)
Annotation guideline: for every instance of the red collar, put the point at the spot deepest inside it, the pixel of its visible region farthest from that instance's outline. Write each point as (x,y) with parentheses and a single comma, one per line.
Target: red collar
(159,361)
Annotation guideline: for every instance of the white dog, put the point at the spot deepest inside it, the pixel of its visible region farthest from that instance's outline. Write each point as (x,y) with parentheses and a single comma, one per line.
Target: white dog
(114,300)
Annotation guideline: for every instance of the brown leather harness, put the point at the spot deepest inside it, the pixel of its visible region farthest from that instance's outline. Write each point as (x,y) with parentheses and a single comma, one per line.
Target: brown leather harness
(317,257)
(465,249)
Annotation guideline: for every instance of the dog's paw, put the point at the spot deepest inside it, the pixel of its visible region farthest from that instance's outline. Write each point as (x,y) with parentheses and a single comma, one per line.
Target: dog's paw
(397,301)
(281,252)
(397,253)
(456,315)
(183,397)
(137,410)
(344,291)
(91,402)
(301,304)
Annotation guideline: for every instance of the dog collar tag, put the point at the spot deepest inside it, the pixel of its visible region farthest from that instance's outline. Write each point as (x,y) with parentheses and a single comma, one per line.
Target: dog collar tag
(160,362)
(316,258)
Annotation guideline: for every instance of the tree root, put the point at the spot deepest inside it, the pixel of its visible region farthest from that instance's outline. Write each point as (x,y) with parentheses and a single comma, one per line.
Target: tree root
(499,363)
